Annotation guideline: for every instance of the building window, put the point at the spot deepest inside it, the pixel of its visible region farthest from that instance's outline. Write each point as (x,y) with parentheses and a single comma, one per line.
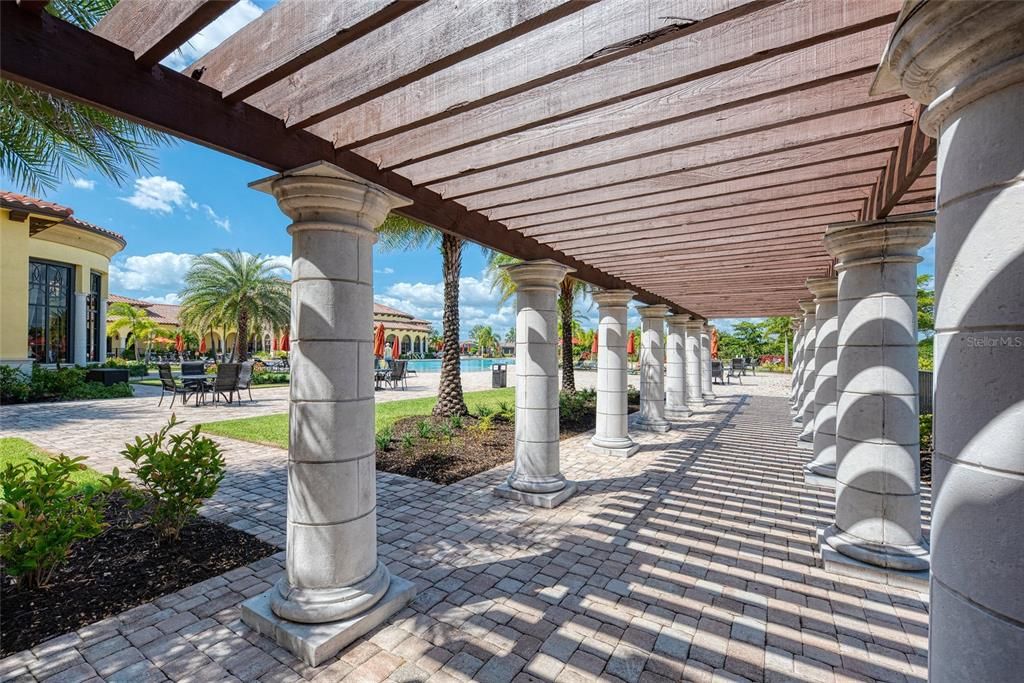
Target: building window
(93,324)
(49,312)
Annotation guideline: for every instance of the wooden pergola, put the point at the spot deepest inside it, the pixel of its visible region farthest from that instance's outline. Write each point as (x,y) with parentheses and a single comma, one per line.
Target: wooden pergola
(693,151)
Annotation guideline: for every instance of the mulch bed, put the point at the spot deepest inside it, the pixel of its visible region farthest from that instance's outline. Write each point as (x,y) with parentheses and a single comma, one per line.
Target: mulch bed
(121,568)
(469,451)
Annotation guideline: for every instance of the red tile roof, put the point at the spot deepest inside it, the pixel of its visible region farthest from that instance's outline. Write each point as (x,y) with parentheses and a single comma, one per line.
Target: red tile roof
(14,200)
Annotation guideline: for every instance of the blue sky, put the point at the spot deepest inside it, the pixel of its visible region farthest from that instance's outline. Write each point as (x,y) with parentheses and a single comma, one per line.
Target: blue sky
(195,200)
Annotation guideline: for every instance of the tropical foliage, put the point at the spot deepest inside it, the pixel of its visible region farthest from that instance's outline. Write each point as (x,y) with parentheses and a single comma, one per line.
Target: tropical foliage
(925,323)
(485,340)
(45,140)
(768,337)
(235,288)
(403,234)
(137,323)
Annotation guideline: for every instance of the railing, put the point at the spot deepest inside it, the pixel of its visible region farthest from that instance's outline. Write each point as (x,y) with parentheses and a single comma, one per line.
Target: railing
(924,390)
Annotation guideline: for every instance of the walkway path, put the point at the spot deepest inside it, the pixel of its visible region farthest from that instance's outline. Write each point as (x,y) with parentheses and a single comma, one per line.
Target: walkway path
(692,560)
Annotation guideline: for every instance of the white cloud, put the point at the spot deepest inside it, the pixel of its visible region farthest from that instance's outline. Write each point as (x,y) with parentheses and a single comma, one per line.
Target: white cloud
(384,271)
(168,298)
(213,35)
(157,193)
(222,223)
(83,184)
(153,275)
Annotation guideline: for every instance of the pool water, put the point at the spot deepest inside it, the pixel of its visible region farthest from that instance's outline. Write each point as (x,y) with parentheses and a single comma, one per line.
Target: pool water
(467,364)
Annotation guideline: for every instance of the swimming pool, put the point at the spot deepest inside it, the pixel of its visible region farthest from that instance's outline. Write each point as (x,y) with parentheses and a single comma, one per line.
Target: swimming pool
(467,364)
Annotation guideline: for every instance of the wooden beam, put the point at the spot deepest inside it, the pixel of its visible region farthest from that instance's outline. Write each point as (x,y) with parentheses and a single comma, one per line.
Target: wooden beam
(518,179)
(34,6)
(288,37)
(716,47)
(597,202)
(53,56)
(763,113)
(153,29)
(423,41)
(915,152)
(697,257)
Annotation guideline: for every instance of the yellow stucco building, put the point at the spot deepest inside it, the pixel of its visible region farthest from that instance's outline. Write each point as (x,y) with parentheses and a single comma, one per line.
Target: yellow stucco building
(54,272)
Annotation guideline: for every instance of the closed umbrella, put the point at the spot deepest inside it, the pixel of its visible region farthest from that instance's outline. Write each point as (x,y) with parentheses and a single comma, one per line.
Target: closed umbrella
(202,345)
(396,350)
(179,344)
(593,347)
(273,344)
(378,341)
(714,342)
(285,343)
(630,345)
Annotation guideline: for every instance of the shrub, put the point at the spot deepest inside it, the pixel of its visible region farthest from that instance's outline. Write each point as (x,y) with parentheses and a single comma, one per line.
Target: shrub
(269,378)
(506,411)
(43,511)
(407,441)
(63,384)
(455,421)
(177,472)
(632,395)
(383,439)
(424,429)
(926,432)
(134,369)
(484,411)
(485,423)
(574,407)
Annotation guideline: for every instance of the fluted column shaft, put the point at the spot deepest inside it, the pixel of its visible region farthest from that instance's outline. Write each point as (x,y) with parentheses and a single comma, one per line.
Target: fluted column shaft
(675,368)
(805,408)
(878,492)
(705,363)
(810,379)
(536,477)
(965,60)
(611,434)
(798,344)
(694,390)
(652,368)
(826,327)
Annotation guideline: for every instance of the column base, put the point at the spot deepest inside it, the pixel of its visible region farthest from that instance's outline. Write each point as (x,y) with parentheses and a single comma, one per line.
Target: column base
(680,413)
(618,448)
(695,404)
(660,426)
(806,445)
(819,480)
(709,396)
(827,471)
(836,562)
(316,643)
(539,500)
(912,558)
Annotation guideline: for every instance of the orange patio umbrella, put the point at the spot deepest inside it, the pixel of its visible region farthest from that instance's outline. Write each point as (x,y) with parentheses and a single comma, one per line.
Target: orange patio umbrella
(630,345)
(285,343)
(593,347)
(179,344)
(378,340)
(714,342)
(202,345)
(396,349)
(273,344)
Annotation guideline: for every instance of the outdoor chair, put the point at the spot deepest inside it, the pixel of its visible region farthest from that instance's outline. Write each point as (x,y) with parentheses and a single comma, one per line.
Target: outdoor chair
(226,382)
(397,374)
(168,385)
(245,379)
(738,369)
(716,372)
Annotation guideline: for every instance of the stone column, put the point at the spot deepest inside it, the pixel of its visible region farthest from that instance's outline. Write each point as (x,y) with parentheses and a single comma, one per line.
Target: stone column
(794,384)
(805,409)
(652,369)
(537,477)
(79,334)
(806,439)
(335,588)
(826,329)
(694,391)
(675,368)
(878,490)
(102,347)
(966,62)
(611,436)
(705,363)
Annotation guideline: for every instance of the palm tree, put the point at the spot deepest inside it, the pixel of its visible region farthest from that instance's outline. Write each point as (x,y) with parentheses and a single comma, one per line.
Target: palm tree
(137,322)
(484,338)
(45,139)
(569,289)
(232,287)
(402,234)
(510,336)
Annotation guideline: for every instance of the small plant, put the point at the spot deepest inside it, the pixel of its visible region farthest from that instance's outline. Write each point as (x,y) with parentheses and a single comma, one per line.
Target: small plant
(504,407)
(424,429)
(447,432)
(176,473)
(407,441)
(43,512)
(484,411)
(383,438)
(455,421)
(485,423)
(926,432)
(632,395)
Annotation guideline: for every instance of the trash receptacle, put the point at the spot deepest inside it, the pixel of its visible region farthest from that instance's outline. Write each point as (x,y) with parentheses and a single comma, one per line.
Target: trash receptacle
(499,376)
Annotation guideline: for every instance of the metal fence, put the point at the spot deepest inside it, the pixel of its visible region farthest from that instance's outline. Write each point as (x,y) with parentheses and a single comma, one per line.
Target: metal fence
(924,390)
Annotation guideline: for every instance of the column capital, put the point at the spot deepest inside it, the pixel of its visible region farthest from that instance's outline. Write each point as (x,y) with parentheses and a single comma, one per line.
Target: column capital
(807,306)
(322,196)
(693,325)
(947,54)
(612,297)
(893,239)
(652,311)
(823,288)
(678,319)
(537,274)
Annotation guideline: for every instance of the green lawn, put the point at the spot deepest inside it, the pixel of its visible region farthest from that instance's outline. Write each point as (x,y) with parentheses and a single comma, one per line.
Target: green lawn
(14,451)
(273,429)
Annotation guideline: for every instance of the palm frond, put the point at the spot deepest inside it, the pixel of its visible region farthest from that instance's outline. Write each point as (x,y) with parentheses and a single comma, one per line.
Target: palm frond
(399,233)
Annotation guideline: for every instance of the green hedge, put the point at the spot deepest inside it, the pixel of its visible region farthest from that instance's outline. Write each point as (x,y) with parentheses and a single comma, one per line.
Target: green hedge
(65,384)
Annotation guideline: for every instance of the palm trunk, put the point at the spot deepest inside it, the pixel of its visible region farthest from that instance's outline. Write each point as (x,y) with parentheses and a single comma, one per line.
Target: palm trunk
(449,393)
(565,303)
(242,338)
(135,343)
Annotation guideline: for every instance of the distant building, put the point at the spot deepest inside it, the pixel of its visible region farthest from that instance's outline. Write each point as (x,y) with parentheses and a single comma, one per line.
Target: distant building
(54,272)
(413,334)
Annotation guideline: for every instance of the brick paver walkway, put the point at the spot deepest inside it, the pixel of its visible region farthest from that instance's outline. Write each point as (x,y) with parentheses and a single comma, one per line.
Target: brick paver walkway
(693,560)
